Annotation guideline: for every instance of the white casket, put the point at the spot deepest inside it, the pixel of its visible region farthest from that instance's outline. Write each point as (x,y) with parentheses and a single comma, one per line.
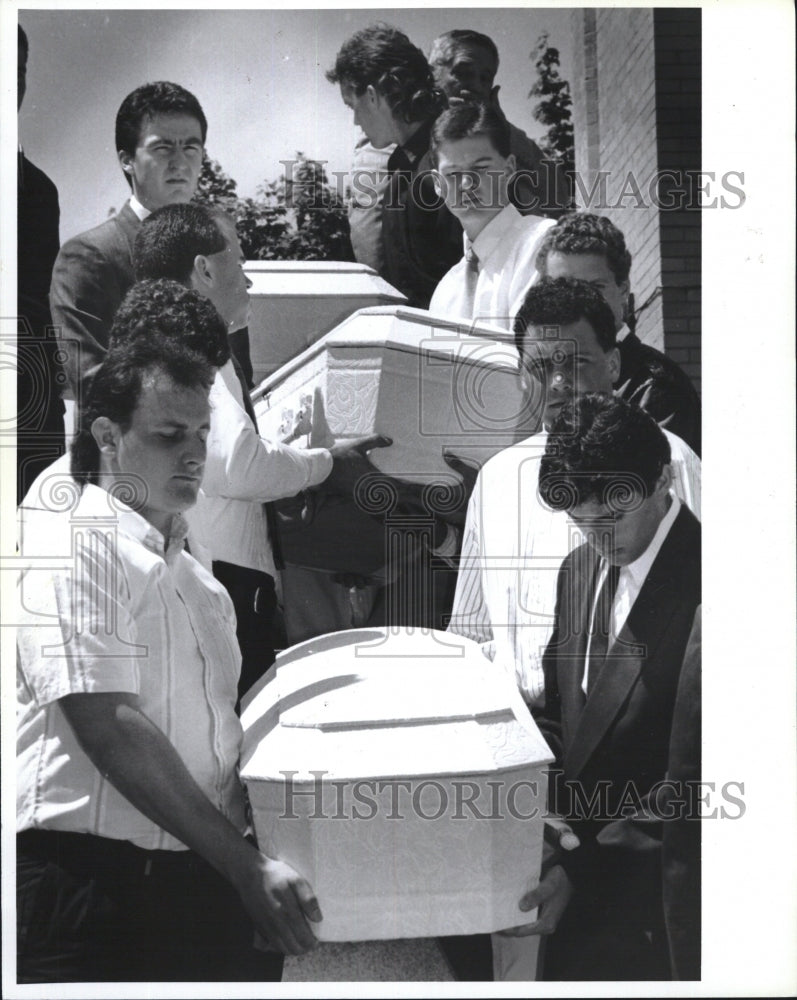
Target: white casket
(404,777)
(296,302)
(429,384)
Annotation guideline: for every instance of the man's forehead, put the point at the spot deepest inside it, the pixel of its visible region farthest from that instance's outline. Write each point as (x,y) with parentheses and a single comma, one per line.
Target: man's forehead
(546,338)
(584,266)
(161,398)
(467,52)
(168,124)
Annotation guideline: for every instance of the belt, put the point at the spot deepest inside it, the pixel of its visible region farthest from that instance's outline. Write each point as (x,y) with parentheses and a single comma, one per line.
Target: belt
(87,853)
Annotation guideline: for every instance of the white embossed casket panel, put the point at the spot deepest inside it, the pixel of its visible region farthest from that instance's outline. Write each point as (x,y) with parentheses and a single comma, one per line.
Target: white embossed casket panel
(404,777)
(296,302)
(429,385)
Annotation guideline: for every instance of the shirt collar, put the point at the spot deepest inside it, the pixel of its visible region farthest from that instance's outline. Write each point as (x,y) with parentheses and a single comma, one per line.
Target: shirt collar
(408,153)
(622,333)
(98,504)
(640,567)
(138,208)
(494,232)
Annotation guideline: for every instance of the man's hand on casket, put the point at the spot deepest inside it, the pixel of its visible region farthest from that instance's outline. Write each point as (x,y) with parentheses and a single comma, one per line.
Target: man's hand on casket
(350,463)
(280,902)
(552,896)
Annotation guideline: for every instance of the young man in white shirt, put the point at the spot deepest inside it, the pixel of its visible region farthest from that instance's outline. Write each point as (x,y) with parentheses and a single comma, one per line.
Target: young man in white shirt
(132,856)
(513,544)
(471,151)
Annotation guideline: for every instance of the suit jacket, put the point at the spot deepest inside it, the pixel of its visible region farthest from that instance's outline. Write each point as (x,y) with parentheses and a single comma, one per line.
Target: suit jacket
(660,387)
(615,745)
(92,274)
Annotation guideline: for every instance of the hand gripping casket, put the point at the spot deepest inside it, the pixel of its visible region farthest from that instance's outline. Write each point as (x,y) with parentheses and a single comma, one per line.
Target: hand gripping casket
(429,384)
(294,302)
(404,777)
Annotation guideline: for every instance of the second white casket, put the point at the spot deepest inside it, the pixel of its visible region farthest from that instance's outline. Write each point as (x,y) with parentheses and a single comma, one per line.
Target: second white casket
(404,777)
(428,384)
(294,302)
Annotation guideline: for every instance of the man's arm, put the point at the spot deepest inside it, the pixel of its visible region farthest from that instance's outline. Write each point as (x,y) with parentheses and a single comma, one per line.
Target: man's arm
(137,758)
(470,616)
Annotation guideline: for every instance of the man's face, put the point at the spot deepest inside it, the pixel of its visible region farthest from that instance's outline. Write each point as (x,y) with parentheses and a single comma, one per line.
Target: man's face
(621,536)
(165,447)
(372,114)
(468,76)
(228,289)
(22,73)
(566,362)
(165,167)
(594,268)
(472,177)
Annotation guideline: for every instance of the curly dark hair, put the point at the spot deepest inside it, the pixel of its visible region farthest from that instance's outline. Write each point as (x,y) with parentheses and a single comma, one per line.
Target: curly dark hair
(560,301)
(166,310)
(602,449)
(172,237)
(113,390)
(466,120)
(583,232)
(384,58)
(160,98)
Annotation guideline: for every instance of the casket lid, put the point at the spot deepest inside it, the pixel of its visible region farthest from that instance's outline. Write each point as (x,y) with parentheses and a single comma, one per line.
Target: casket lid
(309,279)
(368,704)
(403,329)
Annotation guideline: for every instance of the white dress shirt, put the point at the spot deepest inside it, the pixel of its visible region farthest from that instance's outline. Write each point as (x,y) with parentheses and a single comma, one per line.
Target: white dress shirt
(139,211)
(506,250)
(242,470)
(117,608)
(629,583)
(512,548)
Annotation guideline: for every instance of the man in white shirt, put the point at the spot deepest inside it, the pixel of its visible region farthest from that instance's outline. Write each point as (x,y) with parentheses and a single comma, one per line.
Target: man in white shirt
(626,602)
(199,248)
(132,856)
(470,147)
(513,545)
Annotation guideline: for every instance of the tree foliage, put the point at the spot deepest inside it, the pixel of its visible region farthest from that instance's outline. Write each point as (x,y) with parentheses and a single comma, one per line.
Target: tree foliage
(299,216)
(554,104)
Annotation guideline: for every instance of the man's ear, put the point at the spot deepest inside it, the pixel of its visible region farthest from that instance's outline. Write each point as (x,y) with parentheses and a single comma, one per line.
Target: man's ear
(511,164)
(613,360)
(664,482)
(372,94)
(126,161)
(106,434)
(439,184)
(201,273)
(625,291)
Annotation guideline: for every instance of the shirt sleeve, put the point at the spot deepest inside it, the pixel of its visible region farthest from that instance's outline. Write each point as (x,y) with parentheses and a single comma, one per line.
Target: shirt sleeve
(241,465)
(77,633)
(470,616)
(686,473)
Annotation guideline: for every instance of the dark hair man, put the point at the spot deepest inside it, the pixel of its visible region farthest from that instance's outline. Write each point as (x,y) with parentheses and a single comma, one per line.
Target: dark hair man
(626,601)
(387,83)
(591,248)
(465,64)
(244,472)
(40,410)
(470,150)
(160,139)
(132,857)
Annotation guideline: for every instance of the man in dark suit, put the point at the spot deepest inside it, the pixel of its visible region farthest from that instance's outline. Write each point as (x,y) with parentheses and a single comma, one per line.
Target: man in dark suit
(40,419)
(160,139)
(592,248)
(626,601)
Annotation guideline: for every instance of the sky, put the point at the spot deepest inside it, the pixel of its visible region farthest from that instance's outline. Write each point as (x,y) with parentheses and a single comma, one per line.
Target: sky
(259,75)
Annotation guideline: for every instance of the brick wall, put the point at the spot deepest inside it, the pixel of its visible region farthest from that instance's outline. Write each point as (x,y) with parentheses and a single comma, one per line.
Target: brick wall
(636,109)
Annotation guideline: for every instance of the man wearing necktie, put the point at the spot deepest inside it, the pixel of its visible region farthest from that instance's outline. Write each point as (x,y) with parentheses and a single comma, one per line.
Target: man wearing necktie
(474,168)
(626,601)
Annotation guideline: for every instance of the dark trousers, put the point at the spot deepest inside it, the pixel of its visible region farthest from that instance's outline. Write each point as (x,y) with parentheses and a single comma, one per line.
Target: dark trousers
(260,628)
(92,909)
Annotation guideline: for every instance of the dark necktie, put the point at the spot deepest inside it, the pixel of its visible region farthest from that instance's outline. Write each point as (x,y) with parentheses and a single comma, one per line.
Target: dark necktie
(601,626)
(271,513)
(471,280)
